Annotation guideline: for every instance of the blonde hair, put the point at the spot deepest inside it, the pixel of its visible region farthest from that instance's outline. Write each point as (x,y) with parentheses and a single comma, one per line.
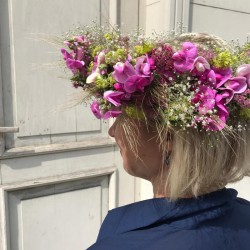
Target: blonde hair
(202,162)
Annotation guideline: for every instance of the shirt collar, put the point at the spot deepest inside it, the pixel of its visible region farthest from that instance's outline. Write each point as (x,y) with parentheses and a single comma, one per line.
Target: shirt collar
(185,213)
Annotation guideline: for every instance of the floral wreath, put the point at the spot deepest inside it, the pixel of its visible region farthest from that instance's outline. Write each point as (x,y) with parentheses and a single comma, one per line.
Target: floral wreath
(188,80)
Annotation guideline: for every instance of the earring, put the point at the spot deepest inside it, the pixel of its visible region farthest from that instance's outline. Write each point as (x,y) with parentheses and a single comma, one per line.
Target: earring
(167,158)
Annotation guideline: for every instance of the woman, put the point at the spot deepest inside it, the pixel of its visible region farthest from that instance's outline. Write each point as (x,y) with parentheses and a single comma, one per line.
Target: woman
(183,123)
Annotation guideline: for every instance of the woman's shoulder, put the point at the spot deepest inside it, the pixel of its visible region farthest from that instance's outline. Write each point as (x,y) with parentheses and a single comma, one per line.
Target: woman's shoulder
(205,223)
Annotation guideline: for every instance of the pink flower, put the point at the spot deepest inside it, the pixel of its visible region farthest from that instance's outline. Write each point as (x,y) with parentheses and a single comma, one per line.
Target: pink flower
(221,101)
(237,84)
(96,110)
(113,97)
(244,70)
(208,78)
(99,115)
(200,66)
(136,82)
(184,59)
(206,99)
(222,75)
(73,64)
(123,71)
(133,80)
(117,86)
(111,113)
(144,65)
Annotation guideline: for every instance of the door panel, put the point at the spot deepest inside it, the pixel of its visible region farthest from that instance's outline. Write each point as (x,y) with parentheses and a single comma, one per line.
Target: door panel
(35,94)
(33,211)
(61,172)
(227,24)
(241,6)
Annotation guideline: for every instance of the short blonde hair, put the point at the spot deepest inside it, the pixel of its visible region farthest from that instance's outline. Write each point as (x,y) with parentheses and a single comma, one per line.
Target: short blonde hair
(202,162)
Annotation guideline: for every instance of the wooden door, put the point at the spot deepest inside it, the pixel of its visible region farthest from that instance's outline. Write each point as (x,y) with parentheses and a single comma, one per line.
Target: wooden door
(60,173)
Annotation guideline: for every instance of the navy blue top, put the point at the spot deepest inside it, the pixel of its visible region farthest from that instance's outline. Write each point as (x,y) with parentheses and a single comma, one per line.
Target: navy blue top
(214,221)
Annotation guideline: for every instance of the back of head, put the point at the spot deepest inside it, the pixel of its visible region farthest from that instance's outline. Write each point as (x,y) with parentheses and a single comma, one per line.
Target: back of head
(193,89)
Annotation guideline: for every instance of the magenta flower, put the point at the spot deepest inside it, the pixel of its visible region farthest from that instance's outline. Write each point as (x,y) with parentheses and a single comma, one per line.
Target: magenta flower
(222,75)
(244,70)
(200,66)
(126,74)
(96,109)
(206,99)
(111,113)
(113,97)
(118,86)
(184,59)
(66,54)
(144,65)
(208,78)
(73,64)
(218,121)
(123,71)
(221,101)
(136,82)
(237,84)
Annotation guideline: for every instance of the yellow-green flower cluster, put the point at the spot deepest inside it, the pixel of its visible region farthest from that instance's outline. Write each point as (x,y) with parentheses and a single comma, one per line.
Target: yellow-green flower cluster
(224,60)
(140,50)
(120,55)
(104,83)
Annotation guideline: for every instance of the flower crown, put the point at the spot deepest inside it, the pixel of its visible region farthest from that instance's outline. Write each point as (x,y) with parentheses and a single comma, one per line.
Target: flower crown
(189,80)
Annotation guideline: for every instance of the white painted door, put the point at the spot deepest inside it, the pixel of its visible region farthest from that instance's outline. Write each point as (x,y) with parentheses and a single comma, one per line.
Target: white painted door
(60,173)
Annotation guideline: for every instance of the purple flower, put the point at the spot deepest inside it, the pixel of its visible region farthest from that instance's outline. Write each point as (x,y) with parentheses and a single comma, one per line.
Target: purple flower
(144,65)
(99,115)
(73,64)
(66,54)
(96,110)
(126,74)
(113,97)
(244,70)
(200,66)
(111,113)
(118,86)
(123,71)
(221,101)
(222,75)
(184,59)
(208,78)
(136,82)
(206,99)
(237,84)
